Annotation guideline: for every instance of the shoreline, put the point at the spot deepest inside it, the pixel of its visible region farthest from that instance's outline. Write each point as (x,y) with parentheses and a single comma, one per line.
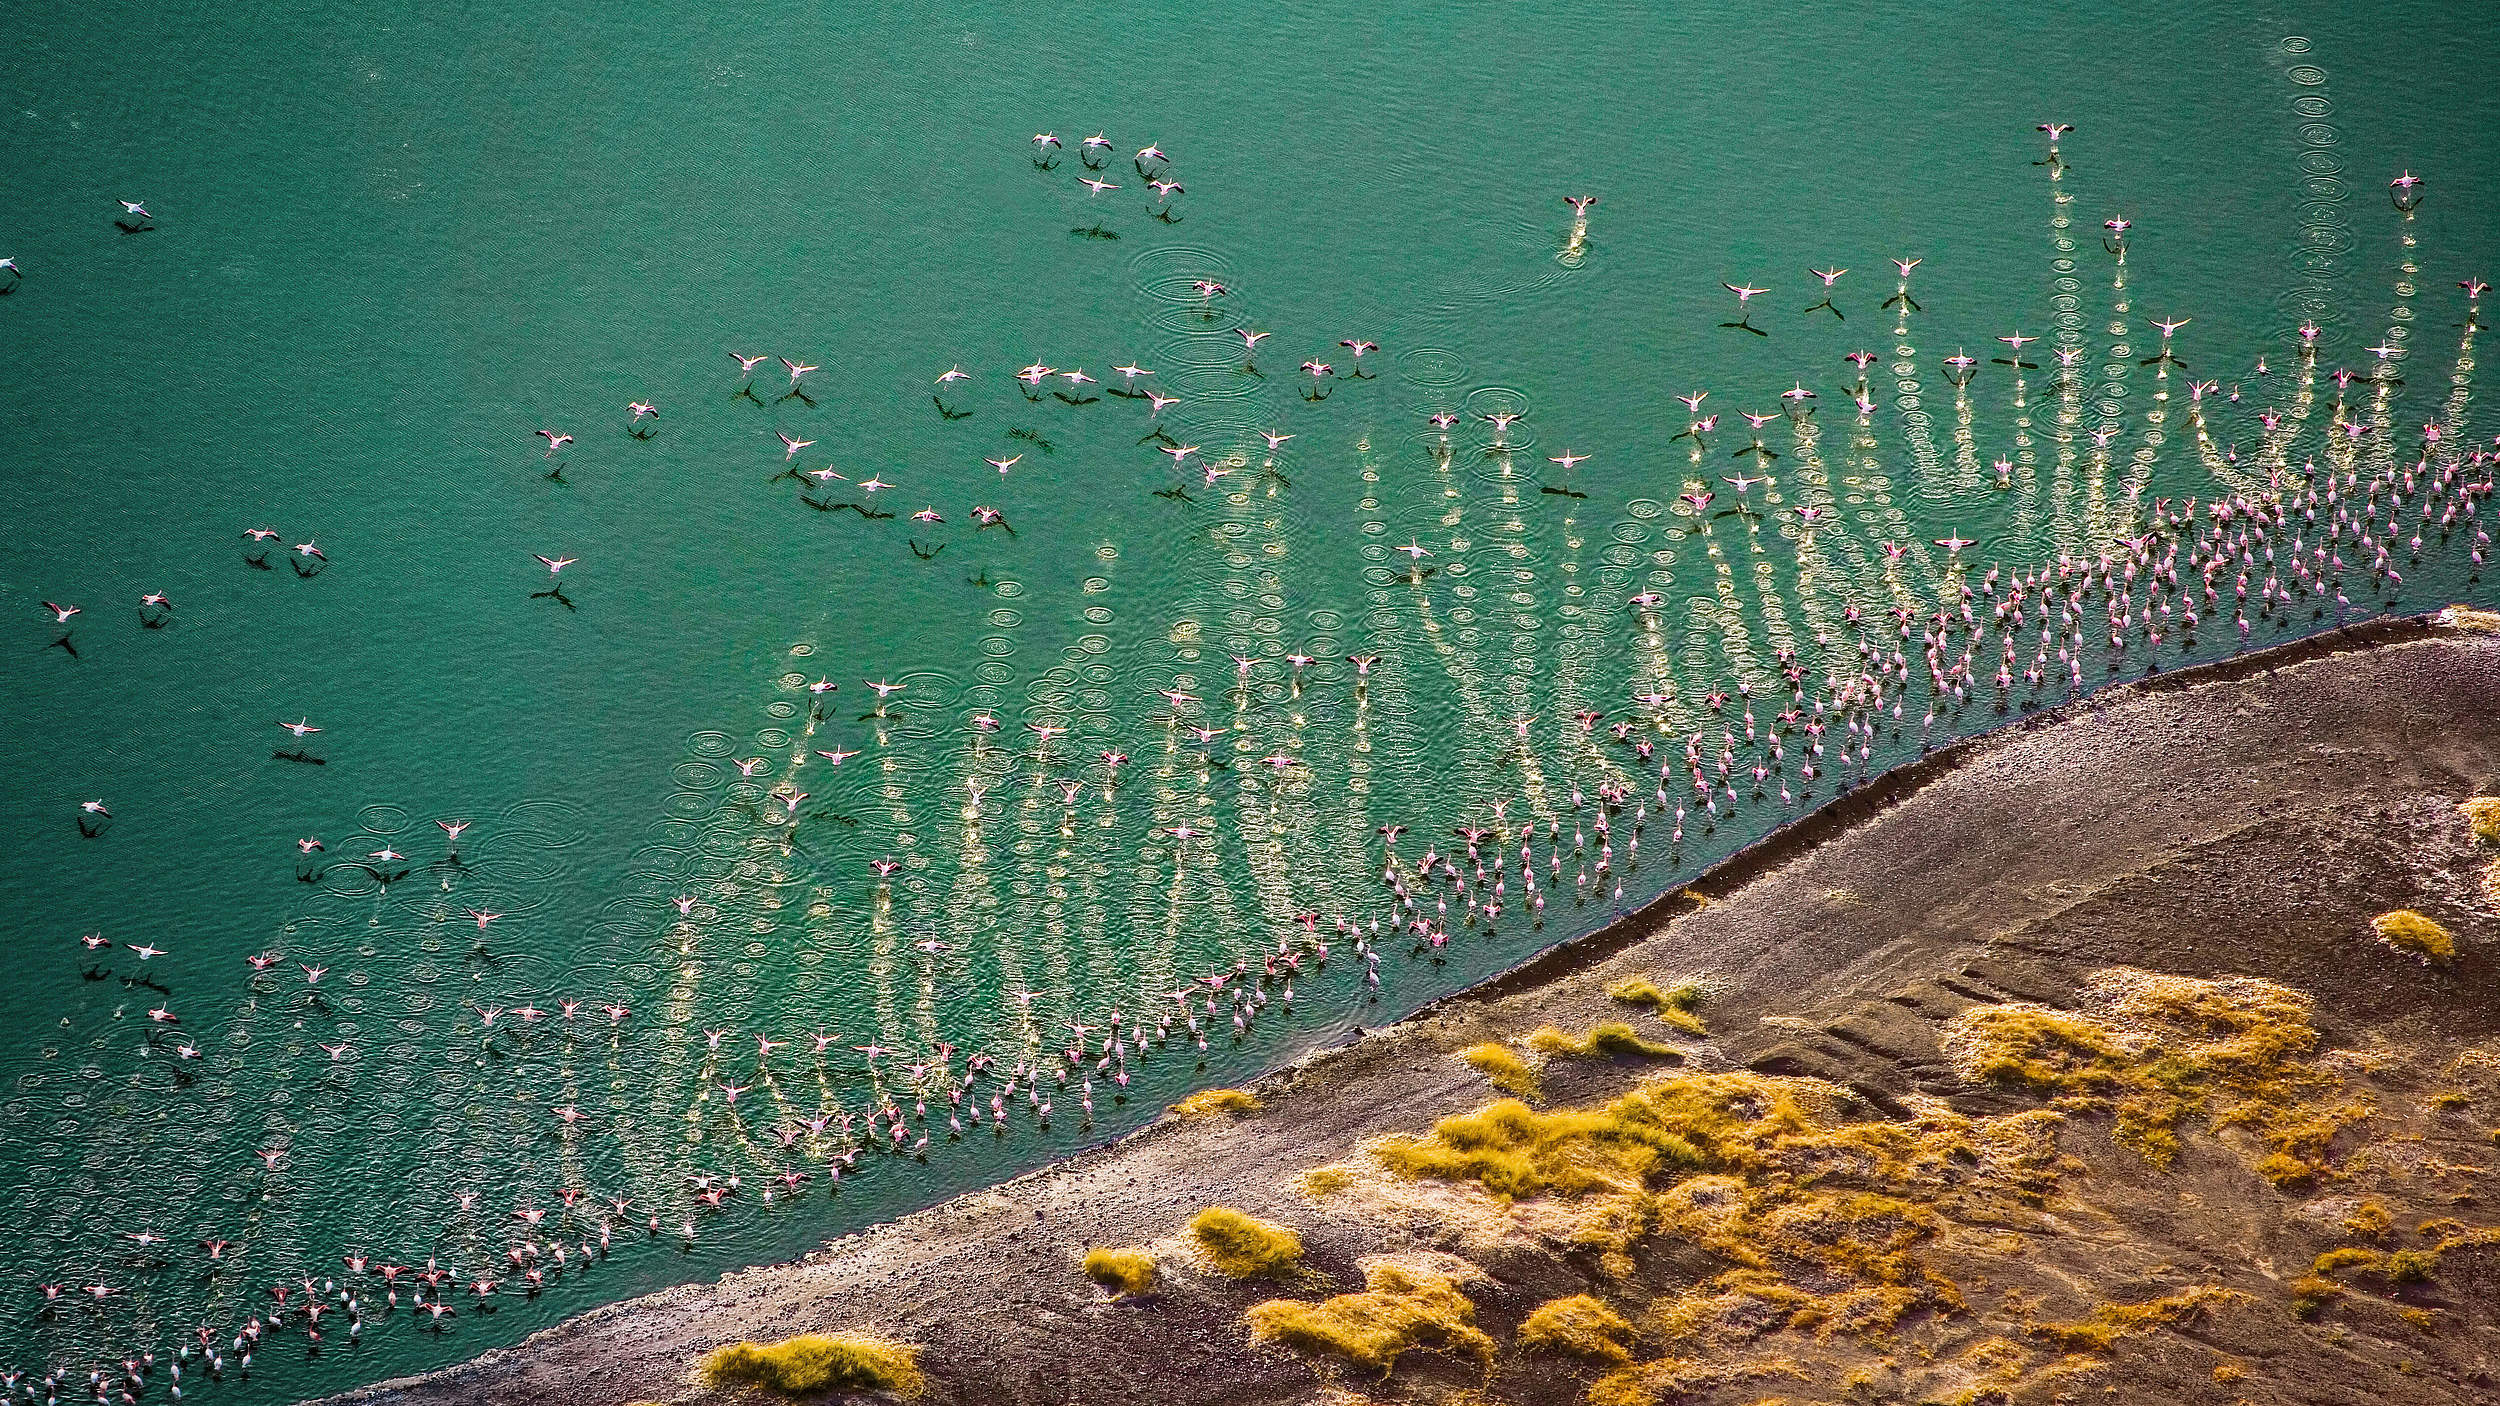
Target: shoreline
(640,1347)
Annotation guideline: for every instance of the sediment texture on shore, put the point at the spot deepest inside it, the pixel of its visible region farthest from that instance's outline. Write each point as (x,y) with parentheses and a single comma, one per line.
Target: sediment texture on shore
(2137,878)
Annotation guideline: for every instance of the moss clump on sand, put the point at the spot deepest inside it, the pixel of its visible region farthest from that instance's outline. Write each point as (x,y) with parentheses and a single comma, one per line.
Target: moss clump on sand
(2417,933)
(1400,1309)
(1501,1064)
(1673,1004)
(1610,1040)
(2466,617)
(1243,1245)
(1208,1102)
(2112,1321)
(2162,1050)
(1578,1326)
(2483,813)
(816,1362)
(1127,1273)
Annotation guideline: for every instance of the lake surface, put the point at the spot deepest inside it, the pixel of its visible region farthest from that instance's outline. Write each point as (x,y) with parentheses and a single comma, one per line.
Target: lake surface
(386,245)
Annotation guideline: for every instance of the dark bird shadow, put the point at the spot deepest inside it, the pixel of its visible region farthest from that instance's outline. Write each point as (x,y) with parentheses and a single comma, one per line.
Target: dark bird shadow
(746,392)
(554,593)
(1560,492)
(306,758)
(1745,324)
(1068,399)
(925,553)
(1826,306)
(1167,217)
(258,563)
(1178,495)
(65,646)
(797,394)
(134,227)
(949,414)
(307,569)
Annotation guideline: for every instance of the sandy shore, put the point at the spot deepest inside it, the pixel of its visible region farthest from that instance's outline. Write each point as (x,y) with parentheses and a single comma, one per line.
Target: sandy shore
(2246,818)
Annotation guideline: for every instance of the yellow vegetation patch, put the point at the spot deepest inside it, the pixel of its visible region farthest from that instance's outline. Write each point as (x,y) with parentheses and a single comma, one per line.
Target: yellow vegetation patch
(1126,1272)
(1764,1173)
(1501,1064)
(2370,1219)
(1243,1245)
(1211,1101)
(2162,1050)
(1580,1326)
(1673,1003)
(2483,812)
(815,1362)
(1672,1379)
(1611,1039)
(1400,1309)
(2417,933)
(1325,1181)
(2112,1321)
(2466,617)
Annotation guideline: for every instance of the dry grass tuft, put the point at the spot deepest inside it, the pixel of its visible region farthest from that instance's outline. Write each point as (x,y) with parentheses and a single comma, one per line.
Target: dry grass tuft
(2112,1321)
(1673,1379)
(1325,1181)
(1673,1004)
(1580,1326)
(1206,1102)
(2417,933)
(1243,1245)
(1501,1064)
(1400,1309)
(2466,617)
(2161,1050)
(1764,1174)
(1124,1272)
(1610,1040)
(2483,812)
(815,1362)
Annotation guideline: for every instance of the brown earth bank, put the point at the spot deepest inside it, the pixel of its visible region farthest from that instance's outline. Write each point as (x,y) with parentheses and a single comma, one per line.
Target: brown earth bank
(2074,1067)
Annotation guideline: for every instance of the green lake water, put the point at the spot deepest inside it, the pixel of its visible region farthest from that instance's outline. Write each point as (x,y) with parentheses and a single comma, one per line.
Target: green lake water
(388,244)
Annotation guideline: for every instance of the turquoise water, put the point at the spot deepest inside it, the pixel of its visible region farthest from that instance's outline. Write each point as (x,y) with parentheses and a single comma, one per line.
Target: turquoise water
(387,246)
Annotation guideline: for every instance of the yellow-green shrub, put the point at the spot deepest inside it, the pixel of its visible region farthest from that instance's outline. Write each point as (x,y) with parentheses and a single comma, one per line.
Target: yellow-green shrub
(1581,1326)
(1209,1101)
(1129,1272)
(1673,1004)
(1399,1309)
(2417,933)
(1501,1064)
(1242,1245)
(816,1362)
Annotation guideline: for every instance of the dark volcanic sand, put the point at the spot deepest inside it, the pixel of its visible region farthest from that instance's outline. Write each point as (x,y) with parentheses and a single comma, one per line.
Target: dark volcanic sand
(2245,819)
